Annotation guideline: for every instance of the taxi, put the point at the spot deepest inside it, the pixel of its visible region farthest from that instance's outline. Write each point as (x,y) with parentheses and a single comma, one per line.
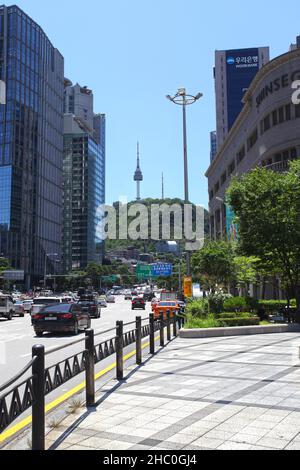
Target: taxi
(165,306)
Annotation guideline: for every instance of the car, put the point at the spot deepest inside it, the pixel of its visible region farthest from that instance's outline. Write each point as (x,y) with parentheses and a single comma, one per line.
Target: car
(134,293)
(139,303)
(102,302)
(6,307)
(66,318)
(40,302)
(110,299)
(27,305)
(171,306)
(92,307)
(128,296)
(149,296)
(19,308)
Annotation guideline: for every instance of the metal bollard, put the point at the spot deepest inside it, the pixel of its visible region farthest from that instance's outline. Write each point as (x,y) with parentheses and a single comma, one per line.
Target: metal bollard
(152,333)
(175,325)
(169,326)
(162,331)
(38,407)
(119,350)
(139,340)
(90,368)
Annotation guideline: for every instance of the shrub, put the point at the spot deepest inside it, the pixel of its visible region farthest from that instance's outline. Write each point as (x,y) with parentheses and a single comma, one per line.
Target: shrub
(226,315)
(198,308)
(216,302)
(235,303)
(209,322)
(250,321)
(272,306)
(240,304)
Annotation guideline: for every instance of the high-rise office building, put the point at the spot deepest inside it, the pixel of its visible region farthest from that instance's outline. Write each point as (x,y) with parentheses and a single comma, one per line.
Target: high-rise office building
(213,146)
(234,71)
(84,179)
(31,145)
(296,45)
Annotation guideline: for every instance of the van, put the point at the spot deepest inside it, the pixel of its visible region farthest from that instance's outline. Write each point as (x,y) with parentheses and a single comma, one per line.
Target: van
(6,307)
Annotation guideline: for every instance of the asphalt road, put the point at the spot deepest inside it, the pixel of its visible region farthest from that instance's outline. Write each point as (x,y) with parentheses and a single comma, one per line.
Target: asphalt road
(17,338)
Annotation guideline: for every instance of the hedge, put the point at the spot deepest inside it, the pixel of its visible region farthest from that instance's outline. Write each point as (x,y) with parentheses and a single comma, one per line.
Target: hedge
(240,304)
(250,321)
(274,306)
(221,316)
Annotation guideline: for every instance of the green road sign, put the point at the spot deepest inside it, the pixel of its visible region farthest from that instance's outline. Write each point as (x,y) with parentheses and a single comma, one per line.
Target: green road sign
(110,278)
(143,271)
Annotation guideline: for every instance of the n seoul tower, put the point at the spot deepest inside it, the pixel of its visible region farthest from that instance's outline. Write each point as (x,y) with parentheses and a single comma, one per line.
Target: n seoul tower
(138,175)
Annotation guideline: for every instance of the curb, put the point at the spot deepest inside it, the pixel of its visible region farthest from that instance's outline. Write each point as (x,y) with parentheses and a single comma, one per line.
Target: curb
(238,331)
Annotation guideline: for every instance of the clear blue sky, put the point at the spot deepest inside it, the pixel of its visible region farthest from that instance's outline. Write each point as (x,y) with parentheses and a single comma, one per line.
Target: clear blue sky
(134,52)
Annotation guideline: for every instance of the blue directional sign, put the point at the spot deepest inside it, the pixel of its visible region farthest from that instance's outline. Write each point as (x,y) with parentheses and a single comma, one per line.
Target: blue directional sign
(162,270)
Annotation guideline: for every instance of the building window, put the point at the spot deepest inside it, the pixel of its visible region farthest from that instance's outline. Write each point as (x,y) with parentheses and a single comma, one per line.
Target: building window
(275,117)
(297,111)
(217,187)
(281,115)
(293,154)
(267,123)
(252,139)
(241,155)
(231,168)
(223,178)
(288,112)
(211,195)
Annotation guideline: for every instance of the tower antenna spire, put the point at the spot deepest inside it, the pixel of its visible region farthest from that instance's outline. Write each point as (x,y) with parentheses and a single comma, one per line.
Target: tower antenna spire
(138,176)
(162,187)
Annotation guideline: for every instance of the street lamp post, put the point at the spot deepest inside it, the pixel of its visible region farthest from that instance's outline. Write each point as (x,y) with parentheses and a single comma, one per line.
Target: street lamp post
(183,99)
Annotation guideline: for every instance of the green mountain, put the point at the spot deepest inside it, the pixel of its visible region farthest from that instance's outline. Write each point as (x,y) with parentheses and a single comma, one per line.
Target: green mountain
(149,246)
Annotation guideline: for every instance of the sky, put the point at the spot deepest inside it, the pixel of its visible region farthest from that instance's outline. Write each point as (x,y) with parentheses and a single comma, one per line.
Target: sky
(133,53)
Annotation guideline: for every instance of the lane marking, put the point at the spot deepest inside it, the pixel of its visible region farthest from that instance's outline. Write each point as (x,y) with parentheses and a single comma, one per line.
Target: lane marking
(23,424)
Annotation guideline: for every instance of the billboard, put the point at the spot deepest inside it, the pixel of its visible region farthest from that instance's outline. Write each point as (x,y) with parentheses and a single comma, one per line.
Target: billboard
(241,65)
(231,227)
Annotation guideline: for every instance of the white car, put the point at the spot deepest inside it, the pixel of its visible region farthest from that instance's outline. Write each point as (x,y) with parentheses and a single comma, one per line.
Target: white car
(102,302)
(27,305)
(110,299)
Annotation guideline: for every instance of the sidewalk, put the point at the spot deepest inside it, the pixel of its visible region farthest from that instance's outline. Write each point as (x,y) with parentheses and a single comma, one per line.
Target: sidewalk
(218,393)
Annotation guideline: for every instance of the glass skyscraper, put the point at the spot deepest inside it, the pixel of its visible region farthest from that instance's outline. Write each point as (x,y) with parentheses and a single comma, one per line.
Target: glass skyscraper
(31,144)
(84,179)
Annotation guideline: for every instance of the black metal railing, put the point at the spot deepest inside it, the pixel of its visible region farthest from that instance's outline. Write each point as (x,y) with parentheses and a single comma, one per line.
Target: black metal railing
(31,392)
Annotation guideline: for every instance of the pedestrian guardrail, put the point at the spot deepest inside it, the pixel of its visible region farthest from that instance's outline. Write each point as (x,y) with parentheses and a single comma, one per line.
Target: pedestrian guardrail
(31,391)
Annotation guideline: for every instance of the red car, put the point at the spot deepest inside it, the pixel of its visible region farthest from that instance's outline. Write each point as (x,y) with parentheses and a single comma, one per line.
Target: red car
(138,303)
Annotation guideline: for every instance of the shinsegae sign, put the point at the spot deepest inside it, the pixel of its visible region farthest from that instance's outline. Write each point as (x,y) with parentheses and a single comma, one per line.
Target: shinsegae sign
(277,84)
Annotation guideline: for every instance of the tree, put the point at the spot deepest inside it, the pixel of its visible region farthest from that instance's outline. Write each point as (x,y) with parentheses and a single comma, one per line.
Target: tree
(267,208)
(4,264)
(245,272)
(213,264)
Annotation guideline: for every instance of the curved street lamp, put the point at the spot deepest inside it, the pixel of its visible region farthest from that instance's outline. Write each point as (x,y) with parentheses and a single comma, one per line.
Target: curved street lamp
(183,99)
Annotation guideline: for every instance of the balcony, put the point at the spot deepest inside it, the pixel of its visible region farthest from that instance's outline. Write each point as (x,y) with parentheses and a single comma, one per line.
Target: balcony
(279,167)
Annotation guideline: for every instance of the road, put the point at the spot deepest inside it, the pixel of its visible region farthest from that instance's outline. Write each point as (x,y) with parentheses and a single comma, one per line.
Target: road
(17,337)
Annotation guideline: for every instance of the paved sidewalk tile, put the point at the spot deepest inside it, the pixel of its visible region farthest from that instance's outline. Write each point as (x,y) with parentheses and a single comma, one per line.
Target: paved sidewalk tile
(238,393)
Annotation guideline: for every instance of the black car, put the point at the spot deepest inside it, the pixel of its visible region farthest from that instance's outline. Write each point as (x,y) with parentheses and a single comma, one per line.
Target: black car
(138,302)
(92,306)
(58,318)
